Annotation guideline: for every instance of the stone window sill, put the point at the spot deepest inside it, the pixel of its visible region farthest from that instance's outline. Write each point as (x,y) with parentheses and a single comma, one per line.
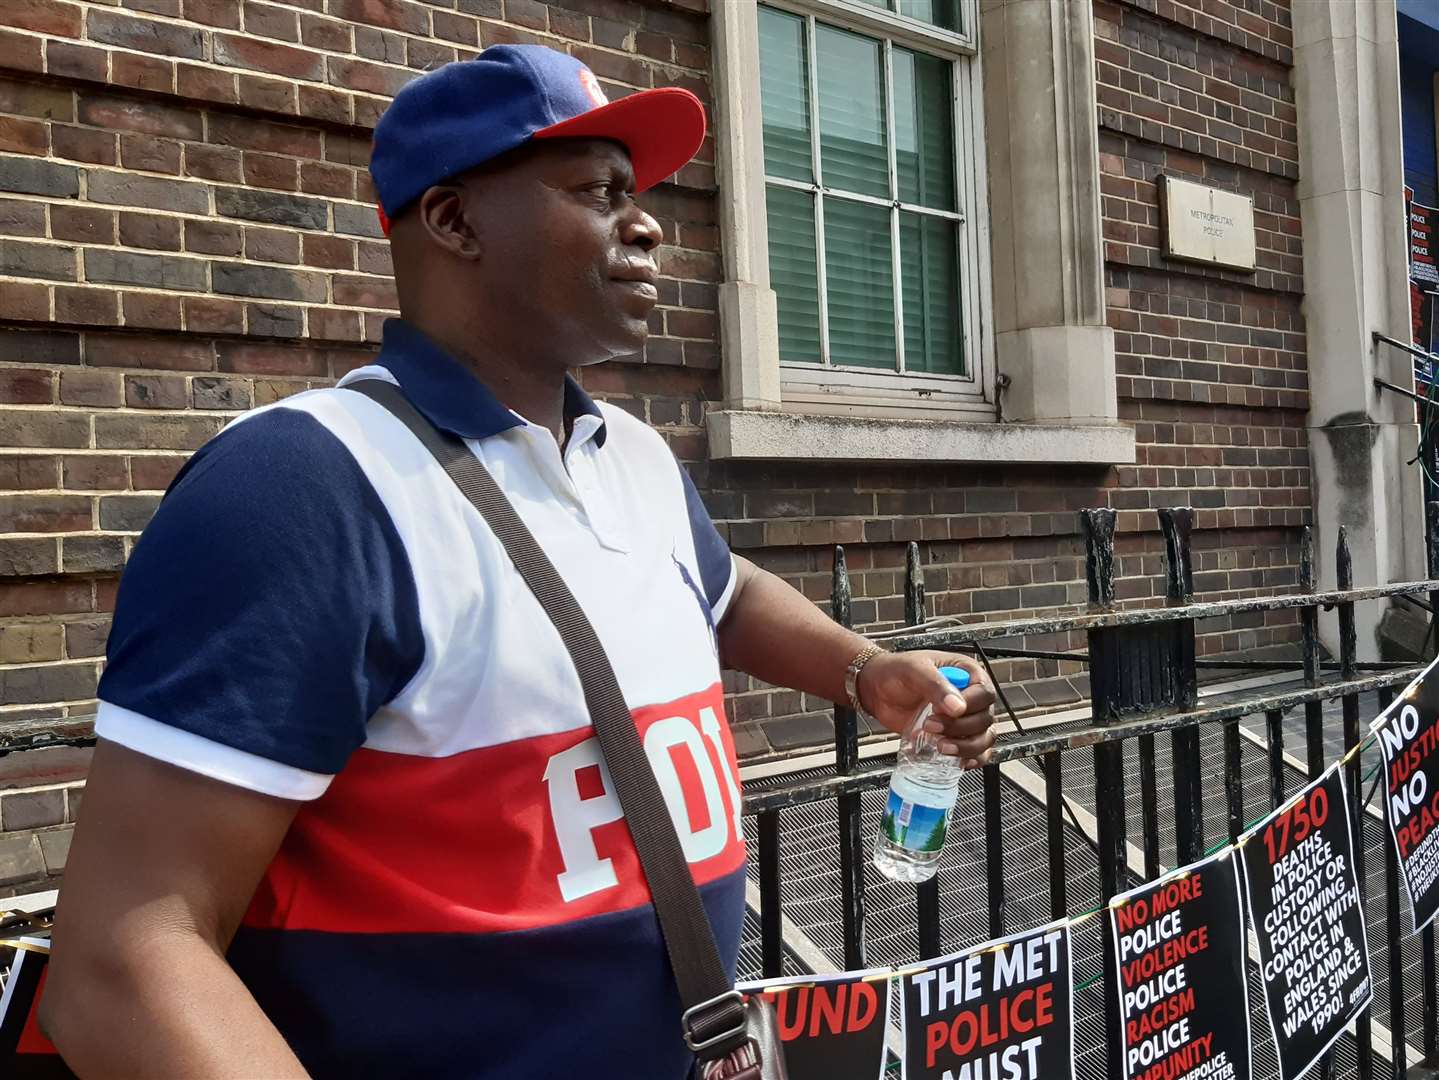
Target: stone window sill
(771,436)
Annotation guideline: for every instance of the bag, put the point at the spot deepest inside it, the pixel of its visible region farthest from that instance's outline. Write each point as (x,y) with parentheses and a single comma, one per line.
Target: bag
(731,1037)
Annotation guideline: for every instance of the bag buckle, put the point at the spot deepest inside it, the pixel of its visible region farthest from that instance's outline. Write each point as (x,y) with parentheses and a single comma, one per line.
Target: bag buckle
(695,1021)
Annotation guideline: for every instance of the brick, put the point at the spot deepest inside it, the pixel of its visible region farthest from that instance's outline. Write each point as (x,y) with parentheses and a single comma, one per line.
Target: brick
(132,114)
(213,393)
(243,358)
(85,144)
(19,136)
(272,208)
(154,472)
(221,13)
(27,472)
(368,77)
(214,163)
(122,189)
(19,52)
(206,84)
(490,9)
(55,847)
(233,50)
(212,315)
(355,220)
(265,20)
(126,431)
(27,557)
(94,388)
(145,35)
(45,598)
(321,103)
(150,231)
(87,224)
(274,320)
(30,642)
(148,351)
(271,171)
(21,859)
(87,307)
(169,8)
(328,34)
(331,252)
(21,218)
(149,154)
(26,386)
(400,15)
(329,324)
(34,686)
(156,392)
(44,513)
(379,45)
(39,347)
(68,61)
(264,135)
(53,262)
(376,259)
(97,554)
(212,237)
(365,292)
(156,271)
(151,311)
(85,637)
(44,17)
(456,28)
(322,178)
(94,472)
(142,72)
(27,176)
(126,513)
(267,95)
(268,282)
(25,301)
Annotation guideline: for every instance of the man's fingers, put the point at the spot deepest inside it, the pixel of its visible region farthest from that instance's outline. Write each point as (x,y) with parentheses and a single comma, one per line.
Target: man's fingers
(964,726)
(972,749)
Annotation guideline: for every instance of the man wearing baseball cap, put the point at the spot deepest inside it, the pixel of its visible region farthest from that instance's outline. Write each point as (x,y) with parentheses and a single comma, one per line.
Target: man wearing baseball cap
(347,814)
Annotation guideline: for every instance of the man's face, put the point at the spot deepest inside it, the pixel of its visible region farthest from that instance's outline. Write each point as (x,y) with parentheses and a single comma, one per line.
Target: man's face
(565,247)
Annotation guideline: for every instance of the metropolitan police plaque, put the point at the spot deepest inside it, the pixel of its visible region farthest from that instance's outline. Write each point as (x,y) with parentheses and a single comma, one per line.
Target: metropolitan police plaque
(1207,225)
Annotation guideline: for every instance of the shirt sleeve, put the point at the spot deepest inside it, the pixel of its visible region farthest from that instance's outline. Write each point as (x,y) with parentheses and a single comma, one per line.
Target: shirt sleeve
(712,554)
(267,612)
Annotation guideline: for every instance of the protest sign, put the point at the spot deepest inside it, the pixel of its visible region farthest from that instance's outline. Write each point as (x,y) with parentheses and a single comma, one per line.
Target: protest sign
(1179,947)
(831,1027)
(1304,903)
(1001,1011)
(1408,734)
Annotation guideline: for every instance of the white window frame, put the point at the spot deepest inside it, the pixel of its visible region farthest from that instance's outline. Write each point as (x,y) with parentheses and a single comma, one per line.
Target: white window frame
(828,387)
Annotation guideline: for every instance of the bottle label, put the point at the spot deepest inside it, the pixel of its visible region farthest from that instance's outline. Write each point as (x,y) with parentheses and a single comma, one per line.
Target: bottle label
(913,825)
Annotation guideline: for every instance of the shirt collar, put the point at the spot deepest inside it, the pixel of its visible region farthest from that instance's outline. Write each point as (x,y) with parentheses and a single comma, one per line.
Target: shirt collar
(451,397)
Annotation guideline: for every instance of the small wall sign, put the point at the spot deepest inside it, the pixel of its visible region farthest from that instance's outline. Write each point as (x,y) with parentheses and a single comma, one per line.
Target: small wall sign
(1207,225)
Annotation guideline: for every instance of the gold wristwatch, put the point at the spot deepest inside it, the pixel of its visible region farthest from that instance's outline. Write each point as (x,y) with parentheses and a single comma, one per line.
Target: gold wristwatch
(851,676)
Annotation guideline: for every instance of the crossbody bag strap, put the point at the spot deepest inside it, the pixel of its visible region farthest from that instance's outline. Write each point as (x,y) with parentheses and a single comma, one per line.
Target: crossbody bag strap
(714,1015)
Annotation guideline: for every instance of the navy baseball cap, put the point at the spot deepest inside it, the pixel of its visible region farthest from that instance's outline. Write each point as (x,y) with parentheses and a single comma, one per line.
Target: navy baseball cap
(468,112)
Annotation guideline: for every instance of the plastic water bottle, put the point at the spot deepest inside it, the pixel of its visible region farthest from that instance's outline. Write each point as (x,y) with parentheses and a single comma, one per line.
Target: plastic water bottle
(922,793)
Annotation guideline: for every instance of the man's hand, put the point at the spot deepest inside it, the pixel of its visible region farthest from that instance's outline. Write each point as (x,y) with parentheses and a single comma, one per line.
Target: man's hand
(894,686)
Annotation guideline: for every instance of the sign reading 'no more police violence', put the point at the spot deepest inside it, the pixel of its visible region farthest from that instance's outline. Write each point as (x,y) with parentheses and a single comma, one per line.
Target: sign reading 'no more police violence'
(1408,733)
(1304,904)
(1180,947)
(1001,1011)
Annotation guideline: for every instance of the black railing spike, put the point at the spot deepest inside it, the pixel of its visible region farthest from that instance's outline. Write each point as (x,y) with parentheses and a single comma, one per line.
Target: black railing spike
(840,594)
(1306,559)
(913,587)
(1177,524)
(1098,528)
(1431,535)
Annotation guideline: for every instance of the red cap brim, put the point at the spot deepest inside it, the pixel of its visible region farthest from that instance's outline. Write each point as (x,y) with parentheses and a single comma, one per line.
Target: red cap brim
(661,128)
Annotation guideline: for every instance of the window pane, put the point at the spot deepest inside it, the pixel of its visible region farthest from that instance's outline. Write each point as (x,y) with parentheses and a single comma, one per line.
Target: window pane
(943,13)
(784,95)
(923,130)
(851,112)
(859,276)
(929,269)
(792,274)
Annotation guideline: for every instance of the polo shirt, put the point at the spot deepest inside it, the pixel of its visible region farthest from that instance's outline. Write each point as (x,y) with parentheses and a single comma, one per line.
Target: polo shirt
(316,612)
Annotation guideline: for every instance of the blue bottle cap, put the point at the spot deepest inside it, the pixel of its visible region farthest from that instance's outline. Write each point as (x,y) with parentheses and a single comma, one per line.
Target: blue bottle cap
(957,676)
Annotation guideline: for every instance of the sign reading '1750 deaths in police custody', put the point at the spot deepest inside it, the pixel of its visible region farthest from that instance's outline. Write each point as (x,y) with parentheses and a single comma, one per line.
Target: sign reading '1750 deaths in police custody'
(1001,1011)
(1179,943)
(1408,733)
(1304,904)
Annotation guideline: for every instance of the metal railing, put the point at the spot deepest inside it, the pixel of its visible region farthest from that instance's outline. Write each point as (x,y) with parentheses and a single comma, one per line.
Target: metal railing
(1143,685)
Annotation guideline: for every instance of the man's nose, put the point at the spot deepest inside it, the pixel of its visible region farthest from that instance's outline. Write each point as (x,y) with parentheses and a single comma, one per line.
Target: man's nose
(641,230)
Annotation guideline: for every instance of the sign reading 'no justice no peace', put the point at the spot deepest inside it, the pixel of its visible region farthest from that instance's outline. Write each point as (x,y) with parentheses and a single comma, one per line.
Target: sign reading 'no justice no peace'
(1408,733)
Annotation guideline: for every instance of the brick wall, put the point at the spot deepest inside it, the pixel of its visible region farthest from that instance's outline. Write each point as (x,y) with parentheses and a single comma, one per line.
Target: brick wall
(187,230)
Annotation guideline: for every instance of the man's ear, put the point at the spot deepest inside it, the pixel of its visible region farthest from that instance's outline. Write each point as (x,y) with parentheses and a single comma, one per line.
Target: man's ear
(441,212)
